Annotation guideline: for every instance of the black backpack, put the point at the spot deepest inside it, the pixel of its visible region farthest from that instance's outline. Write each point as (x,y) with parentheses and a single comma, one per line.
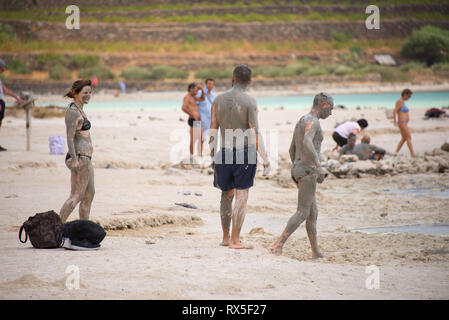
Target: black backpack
(44,230)
(79,231)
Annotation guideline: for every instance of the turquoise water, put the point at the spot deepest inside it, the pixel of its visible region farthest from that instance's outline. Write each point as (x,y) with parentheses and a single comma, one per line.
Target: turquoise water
(351,101)
(442,193)
(432,229)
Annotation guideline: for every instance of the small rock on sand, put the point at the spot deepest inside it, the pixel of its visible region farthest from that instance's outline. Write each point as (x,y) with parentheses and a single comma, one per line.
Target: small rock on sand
(257,231)
(349,158)
(186,205)
(445,146)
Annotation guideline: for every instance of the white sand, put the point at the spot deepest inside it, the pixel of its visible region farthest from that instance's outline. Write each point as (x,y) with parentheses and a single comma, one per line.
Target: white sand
(185,261)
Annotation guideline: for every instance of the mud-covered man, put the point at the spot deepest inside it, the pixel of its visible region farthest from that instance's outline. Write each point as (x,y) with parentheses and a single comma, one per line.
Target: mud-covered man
(236,114)
(307,171)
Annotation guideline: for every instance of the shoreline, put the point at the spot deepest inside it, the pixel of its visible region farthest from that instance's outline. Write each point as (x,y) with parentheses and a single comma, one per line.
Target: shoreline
(363,88)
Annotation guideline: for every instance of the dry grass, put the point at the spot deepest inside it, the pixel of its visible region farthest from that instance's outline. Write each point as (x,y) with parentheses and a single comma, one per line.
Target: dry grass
(38,112)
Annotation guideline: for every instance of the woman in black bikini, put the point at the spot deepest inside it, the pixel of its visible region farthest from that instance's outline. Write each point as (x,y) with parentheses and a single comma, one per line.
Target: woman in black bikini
(78,159)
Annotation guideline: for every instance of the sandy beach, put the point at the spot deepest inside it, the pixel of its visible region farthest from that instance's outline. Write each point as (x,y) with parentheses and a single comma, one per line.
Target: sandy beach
(155,249)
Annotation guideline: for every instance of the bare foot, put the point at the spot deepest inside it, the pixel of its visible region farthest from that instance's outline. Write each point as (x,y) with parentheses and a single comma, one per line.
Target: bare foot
(240,246)
(224,243)
(276,249)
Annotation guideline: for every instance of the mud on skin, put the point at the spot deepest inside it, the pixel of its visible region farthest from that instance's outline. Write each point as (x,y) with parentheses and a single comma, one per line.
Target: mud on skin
(80,150)
(306,171)
(237,116)
(235,113)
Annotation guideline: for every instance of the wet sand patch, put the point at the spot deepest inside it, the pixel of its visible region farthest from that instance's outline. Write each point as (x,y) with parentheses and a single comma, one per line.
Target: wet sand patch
(357,248)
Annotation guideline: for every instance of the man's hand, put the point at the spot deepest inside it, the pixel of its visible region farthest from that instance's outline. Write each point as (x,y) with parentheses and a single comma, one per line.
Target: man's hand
(74,164)
(266,168)
(19,100)
(322,174)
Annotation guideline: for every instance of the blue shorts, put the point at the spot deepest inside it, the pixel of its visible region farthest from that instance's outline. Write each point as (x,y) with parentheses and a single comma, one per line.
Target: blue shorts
(236,170)
(2,109)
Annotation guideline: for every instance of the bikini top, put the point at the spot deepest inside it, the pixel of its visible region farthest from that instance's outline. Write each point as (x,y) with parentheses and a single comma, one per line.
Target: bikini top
(404,108)
(86,122)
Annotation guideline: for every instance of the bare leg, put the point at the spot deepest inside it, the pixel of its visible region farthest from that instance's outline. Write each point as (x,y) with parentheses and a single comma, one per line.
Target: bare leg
(410,147)
(400,144)
(238,216)
(408,139)
(306,194)
(311,230)
(86,200)
(403,136)
(79,180)
(191,143)
(226,214)
(200,144)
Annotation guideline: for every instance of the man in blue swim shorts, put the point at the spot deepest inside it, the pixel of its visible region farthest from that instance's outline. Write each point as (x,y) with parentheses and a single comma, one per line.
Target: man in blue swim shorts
(234,112)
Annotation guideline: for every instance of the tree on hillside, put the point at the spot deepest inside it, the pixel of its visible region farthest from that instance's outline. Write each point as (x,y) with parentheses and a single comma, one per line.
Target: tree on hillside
(429,44)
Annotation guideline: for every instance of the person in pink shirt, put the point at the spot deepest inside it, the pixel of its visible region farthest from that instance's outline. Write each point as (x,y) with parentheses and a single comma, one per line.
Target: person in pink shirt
(94,83)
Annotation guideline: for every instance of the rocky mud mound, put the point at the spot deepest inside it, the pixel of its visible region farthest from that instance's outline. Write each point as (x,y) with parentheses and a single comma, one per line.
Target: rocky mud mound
(147,219)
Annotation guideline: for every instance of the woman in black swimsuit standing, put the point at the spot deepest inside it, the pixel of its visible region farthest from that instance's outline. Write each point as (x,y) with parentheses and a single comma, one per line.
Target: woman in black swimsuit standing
(78,159)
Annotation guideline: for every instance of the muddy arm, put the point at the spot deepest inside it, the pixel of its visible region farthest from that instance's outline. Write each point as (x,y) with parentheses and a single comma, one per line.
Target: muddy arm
(292,149)
(254,126)
(213,132)
(71,121)
(309,133)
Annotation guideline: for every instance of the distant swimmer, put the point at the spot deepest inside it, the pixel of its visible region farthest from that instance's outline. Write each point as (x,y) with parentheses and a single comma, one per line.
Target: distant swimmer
(190,106)
(401,119)
(235,113)
(205,105)
(305,151)
(79,157)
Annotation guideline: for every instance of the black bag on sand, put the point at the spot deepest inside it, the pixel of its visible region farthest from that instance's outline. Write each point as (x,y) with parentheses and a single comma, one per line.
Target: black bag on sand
(44,230)
(84,233)
(434,113)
